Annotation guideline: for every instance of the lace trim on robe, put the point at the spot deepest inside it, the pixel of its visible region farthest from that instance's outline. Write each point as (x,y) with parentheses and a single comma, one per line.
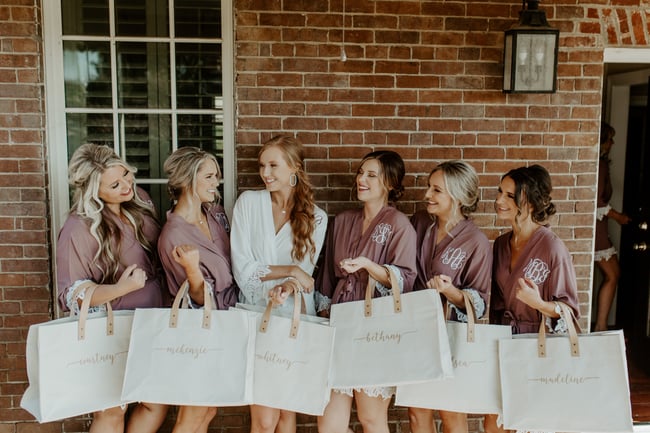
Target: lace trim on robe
(387,291)
(323,303)
(604,254)
(601,212)
(252,292)
(73,304)
(385,392)
(479,305)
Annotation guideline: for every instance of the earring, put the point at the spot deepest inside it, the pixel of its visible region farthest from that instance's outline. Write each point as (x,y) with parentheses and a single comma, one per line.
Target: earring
(293,179)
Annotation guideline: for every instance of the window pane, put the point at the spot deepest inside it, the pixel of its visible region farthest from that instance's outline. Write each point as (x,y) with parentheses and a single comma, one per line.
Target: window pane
(85,17)
(143,75)
(198,76)
(204,131)
(146,142)
(88,128)
(87,71)
(197,18)
(141,18)
(146,145)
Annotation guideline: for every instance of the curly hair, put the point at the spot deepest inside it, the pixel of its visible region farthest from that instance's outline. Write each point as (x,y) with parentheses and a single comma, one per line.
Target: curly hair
(533,188)
(461,182)
(181,168)
(392,171)
(85,170)
(301,216)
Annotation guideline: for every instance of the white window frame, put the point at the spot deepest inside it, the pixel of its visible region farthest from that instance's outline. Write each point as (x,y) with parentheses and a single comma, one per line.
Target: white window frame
(55,127)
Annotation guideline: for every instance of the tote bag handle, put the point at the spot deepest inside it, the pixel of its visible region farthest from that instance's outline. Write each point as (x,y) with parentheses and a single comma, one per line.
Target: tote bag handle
(89,287)
(471,315)
(207,305)
(370,290)
(569,319)
(298,303)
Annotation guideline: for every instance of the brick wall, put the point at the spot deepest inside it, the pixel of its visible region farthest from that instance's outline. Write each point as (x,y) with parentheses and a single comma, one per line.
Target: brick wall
(423,78)
(24,226)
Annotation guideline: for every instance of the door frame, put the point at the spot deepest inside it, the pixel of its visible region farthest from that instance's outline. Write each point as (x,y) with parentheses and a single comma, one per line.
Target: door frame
(617,94)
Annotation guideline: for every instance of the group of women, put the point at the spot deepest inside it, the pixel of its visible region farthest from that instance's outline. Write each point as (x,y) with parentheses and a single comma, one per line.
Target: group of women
(270,251)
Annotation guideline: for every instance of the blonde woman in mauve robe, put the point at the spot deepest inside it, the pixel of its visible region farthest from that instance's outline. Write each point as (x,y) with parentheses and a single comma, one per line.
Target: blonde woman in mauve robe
(532,268)
(364,243)
(454,256)
(109,239)
(194,247)
(277,235)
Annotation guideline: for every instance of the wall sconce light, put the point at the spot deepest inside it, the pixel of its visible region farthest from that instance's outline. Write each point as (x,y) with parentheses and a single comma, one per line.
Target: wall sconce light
(530,53)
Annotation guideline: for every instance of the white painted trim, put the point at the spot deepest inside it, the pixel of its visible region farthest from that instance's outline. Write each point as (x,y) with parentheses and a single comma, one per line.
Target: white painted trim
(626,55)
(228,94)
(55,138)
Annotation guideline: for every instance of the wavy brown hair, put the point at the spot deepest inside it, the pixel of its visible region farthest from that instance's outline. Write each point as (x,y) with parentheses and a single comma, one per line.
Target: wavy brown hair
(301,216)
(85,170)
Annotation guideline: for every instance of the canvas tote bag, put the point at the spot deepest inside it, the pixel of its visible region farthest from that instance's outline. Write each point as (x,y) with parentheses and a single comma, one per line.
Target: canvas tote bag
(567,383)
(292,361)
(193,357)
(392,340)
(75,365)
(475,387)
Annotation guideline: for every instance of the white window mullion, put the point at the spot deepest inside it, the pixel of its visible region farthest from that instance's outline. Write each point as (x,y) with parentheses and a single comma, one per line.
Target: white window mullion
(118,139)
(227,74)
(172,75)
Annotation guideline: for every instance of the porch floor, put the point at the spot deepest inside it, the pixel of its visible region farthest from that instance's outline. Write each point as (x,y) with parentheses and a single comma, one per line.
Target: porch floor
(640,394)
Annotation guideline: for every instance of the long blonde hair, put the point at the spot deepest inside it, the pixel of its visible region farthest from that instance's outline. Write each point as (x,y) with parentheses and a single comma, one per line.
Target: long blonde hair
(85,170)
(301,217)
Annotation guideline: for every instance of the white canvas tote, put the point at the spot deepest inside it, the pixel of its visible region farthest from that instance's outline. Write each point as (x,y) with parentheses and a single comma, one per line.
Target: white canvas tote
(75,365)
(193,357)
(475,387)
(292,361)
(567,383)
(392,340)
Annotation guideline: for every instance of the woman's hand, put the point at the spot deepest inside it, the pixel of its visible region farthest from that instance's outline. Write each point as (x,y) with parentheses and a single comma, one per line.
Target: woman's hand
(188,257)
(619,217)
(353,265)
(281,292)
(304,279)
(528,293)
(442,283)
(133,278)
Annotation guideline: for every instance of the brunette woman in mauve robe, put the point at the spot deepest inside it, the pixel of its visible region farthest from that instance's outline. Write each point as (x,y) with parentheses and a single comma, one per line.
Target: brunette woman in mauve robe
(454,256)
(109,238)
(532,268)
(605,253)
(277,235)
(194,247)
(365,242)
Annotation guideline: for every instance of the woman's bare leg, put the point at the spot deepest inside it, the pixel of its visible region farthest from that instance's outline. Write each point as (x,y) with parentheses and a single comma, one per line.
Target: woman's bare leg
(108,421)
(372,412)
(421,420)
(336,417)
(611,273)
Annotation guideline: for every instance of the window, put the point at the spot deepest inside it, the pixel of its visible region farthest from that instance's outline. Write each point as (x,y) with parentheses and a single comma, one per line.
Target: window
(142,76)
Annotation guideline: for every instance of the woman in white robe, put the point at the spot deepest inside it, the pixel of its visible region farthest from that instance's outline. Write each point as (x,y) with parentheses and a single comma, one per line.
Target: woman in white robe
(276,237)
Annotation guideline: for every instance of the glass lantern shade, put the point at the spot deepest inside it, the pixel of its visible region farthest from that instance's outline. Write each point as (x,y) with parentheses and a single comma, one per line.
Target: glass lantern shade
(530,59)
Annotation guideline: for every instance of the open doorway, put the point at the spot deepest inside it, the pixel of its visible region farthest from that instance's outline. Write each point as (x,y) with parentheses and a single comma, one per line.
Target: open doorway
(625,107)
